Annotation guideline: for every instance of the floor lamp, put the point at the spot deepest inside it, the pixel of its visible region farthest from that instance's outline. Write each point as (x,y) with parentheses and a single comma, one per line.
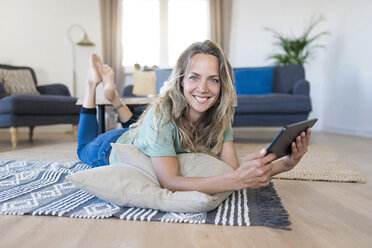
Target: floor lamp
(84,42)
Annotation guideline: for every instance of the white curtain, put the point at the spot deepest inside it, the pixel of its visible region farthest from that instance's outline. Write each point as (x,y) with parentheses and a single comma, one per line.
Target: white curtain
(112,50)
(220,22)
(111,18)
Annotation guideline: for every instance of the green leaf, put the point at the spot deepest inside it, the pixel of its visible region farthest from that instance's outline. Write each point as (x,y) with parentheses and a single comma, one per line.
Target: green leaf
(296,50)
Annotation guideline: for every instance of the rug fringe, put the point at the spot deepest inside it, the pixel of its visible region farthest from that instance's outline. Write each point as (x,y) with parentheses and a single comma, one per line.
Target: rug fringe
(271,211)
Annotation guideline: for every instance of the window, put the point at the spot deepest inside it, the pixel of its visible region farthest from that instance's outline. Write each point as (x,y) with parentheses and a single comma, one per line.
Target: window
(155,32)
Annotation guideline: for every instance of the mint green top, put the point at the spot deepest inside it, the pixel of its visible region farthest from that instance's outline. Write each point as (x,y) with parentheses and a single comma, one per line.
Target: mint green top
(165,144)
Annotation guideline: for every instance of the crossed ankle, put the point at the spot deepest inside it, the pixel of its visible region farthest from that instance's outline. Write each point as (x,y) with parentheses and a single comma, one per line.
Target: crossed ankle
(115,99)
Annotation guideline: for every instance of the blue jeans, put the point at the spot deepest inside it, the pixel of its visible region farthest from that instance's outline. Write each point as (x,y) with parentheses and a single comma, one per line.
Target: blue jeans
(94,149)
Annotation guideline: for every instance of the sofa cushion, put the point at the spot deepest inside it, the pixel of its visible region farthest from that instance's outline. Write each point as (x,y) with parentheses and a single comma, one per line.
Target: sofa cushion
(273,103)
(18,81)
(268,120)
(144,83)
(286,76)
(39,105)
(162,75)
(253,81)
(301,87)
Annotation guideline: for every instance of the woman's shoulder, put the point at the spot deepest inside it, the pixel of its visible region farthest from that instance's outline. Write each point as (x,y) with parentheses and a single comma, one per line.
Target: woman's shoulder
(158,115)
(159,110)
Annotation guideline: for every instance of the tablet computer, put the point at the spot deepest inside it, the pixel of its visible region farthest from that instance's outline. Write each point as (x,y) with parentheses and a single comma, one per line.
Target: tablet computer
(281,144)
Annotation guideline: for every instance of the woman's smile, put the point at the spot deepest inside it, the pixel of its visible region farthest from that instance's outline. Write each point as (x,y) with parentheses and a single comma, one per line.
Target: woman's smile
(201,99)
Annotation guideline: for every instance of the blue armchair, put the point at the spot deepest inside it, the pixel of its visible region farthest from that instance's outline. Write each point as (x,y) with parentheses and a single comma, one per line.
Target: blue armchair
(53,105)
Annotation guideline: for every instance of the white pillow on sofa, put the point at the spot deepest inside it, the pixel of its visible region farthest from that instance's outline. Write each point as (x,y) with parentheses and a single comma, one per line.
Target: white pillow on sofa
(133,183)
(18,81)
(144,83)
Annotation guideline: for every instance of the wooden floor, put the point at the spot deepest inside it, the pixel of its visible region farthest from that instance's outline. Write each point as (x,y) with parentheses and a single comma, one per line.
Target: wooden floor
(323,214)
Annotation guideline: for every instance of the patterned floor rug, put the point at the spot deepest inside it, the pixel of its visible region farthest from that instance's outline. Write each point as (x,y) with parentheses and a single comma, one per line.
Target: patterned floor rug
(40,188)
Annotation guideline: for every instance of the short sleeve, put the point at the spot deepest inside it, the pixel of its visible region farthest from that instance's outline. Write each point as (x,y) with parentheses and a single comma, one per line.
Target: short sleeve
(228,134)
(156,144)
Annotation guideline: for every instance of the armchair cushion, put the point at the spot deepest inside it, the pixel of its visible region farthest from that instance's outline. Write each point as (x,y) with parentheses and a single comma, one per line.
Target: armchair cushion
(18,81)
(54,89)
(254,81)
(39,105)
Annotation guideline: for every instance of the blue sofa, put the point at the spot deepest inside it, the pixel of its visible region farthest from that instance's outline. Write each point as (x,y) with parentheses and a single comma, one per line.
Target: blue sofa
(287,101)
(53,105)
(267,96)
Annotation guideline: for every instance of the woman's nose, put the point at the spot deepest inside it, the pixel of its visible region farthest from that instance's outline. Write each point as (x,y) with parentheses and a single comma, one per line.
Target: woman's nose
(203,86)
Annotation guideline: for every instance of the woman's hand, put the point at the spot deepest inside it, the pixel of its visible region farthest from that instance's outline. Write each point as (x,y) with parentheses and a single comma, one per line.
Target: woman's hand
(299,148)
(255,170)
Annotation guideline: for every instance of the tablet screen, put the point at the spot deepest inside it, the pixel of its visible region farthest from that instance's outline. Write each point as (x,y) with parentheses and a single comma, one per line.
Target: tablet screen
(281,144)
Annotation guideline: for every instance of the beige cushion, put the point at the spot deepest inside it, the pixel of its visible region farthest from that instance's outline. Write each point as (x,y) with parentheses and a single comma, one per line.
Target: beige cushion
(144,83)
(133,183)
(18,81)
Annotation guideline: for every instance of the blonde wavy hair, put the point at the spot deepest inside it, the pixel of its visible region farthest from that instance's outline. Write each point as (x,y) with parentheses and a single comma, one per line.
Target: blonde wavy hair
(207,135)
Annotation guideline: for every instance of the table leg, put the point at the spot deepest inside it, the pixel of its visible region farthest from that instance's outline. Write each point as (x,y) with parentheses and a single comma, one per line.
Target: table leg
(101,119)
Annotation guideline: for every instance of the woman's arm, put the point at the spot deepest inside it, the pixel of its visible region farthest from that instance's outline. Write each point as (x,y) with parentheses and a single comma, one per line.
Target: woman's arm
(254,172)
(168,173)
(228,154)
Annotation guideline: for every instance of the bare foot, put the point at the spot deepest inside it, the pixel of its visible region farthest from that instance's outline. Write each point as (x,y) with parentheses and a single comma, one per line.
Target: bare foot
(109,90)
(94,77)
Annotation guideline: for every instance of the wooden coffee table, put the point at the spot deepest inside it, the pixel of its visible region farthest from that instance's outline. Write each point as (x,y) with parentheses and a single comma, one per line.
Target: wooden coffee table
(101,103)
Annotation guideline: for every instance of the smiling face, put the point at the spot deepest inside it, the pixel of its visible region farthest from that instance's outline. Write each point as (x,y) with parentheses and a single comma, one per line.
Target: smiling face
(201,84)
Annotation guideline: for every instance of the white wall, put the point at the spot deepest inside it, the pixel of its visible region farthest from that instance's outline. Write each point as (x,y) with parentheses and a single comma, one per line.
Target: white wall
(340,75)
(34,33)
(348,99)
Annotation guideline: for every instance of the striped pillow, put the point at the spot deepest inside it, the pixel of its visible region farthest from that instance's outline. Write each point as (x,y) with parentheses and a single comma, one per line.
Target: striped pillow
(18,81)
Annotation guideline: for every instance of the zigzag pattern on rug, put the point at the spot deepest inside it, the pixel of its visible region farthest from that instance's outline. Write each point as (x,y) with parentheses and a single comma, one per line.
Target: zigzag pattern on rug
(41,188)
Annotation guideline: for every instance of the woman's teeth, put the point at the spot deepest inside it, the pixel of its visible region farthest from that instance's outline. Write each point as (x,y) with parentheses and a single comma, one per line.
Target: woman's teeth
(201,99)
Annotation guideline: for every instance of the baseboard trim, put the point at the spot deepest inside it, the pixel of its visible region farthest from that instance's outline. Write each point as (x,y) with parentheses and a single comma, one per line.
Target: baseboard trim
(347,131)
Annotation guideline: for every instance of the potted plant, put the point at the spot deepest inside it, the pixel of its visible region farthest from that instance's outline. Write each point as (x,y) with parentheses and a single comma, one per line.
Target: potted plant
(296,50)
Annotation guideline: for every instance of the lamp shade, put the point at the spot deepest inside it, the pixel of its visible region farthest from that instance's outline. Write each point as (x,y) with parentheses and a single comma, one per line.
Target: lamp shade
(85,41)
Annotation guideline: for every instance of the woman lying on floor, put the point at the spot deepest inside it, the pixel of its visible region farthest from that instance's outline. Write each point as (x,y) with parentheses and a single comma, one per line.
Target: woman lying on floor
(193,115)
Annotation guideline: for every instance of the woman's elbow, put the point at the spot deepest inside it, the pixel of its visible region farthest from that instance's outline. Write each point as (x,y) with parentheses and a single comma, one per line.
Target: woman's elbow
(169,184)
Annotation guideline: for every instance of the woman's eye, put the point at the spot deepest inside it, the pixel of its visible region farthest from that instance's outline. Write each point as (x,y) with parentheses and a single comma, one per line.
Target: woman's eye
(214,80)
(193,78)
